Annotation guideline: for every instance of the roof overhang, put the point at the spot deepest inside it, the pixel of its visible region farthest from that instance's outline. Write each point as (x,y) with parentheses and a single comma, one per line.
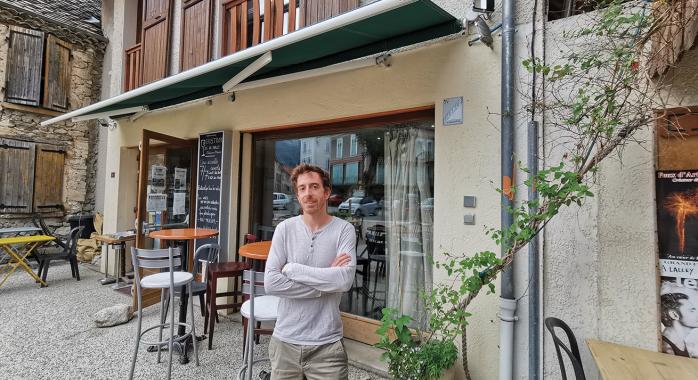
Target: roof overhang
(378,27)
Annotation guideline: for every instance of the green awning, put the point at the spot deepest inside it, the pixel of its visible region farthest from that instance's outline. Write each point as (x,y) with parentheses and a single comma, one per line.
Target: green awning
(372,29)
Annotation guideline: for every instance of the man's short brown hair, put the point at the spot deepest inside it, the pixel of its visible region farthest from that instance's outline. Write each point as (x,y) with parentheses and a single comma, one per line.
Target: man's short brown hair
(307,168)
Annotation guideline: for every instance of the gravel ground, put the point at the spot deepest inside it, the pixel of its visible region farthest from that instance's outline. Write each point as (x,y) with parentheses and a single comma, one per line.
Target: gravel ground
(49,333)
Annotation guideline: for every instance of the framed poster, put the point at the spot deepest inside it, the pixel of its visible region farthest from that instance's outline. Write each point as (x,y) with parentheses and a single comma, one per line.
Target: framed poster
(677,233)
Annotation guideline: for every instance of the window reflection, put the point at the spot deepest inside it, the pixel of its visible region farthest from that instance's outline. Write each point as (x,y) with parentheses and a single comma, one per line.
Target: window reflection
(382,182)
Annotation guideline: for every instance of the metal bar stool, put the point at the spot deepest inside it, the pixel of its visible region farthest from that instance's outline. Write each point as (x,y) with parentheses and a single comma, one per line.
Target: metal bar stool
(258,308)
(169,260)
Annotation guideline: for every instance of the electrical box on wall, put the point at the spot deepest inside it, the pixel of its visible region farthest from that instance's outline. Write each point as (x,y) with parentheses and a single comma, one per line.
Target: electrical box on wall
(469,219)
(468,201)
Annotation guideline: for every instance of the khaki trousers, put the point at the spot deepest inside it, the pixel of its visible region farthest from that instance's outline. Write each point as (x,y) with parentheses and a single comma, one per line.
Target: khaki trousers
(296,362)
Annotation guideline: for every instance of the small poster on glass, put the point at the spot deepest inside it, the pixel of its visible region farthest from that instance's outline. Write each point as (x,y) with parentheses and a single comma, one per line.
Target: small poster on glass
(158,173)
(179,204)
(180,179)
(156,202)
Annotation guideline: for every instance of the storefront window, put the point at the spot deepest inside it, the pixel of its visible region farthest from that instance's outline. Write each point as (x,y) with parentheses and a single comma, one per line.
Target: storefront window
(386,193)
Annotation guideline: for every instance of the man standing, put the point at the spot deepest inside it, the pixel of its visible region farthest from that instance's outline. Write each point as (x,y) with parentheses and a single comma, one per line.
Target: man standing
(311,263)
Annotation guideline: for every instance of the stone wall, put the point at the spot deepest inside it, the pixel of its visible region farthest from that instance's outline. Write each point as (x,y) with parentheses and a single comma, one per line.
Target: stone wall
(79,139)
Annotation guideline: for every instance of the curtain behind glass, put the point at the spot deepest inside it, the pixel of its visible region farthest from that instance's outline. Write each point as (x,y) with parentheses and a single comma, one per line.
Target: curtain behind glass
(409,217)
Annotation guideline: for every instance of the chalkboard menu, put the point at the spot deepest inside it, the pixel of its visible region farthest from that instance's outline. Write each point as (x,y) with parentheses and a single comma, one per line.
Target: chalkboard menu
(212,187)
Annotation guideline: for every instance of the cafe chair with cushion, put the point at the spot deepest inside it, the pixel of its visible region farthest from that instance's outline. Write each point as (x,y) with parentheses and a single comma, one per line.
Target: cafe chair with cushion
(168,279)
(65,251)
(571,351)
(204,255)
(266,311)
(258,308)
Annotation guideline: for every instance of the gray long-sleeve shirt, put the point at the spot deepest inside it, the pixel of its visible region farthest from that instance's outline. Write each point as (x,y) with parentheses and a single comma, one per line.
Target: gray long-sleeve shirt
(309,289)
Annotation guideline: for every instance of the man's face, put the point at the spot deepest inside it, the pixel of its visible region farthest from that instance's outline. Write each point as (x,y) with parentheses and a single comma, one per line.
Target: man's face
(311,194)
(689,311)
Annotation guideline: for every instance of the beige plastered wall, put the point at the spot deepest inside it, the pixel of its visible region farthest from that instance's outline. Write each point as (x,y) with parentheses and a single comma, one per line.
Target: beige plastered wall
(467,155)
(600,260)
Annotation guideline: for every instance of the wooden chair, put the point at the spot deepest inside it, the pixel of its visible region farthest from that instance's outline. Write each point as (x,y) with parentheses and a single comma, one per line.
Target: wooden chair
(249,238)
(68,253)
(215,272)
(551,323)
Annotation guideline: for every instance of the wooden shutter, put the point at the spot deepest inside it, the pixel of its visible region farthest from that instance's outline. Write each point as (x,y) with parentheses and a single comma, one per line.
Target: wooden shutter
(48,180)
(58,67)
(24,61)
(16,176)
(196,33)
(315,11)
(156,39)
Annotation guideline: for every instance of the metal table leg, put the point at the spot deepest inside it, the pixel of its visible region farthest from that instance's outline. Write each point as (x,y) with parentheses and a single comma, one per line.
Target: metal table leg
(106,280)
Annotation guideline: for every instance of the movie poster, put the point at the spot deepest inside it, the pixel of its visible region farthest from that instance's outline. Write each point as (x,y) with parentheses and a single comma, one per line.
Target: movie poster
(677,232)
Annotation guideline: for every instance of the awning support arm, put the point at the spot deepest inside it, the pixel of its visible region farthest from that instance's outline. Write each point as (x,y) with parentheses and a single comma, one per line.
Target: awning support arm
(108,114)
(247,71)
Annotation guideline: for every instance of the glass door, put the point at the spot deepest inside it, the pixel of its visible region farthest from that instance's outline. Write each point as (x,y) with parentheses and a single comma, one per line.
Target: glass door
(166,180)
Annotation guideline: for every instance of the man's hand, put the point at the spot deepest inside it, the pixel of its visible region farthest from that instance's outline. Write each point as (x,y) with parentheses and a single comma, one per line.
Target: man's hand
(341,261)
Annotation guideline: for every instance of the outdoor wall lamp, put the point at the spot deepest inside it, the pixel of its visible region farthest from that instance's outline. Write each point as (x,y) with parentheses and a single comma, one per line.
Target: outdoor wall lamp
(483,6)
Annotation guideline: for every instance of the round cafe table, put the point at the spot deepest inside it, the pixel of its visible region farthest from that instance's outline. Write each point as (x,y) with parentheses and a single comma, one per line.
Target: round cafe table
(183,235)
(257,252)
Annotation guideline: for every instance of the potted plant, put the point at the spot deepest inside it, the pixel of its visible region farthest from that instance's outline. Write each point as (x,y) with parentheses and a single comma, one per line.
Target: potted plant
(430,353)
(412,355)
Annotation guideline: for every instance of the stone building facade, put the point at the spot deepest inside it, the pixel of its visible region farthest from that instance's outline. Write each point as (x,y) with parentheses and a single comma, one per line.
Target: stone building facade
(77,141)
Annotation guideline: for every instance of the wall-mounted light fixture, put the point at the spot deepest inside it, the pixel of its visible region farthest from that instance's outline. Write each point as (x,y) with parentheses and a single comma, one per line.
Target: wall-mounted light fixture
(483,6)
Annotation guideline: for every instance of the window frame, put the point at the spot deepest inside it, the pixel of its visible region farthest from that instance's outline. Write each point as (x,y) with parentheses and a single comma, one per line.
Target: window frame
(339,148)
(353,145)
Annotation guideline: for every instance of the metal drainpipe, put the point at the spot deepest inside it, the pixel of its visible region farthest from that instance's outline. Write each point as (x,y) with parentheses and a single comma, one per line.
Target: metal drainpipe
(507,302)
(533,263)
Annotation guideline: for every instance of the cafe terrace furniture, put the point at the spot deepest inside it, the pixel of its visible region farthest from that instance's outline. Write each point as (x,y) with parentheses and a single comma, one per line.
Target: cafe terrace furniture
(375,249)
(18,248)
(170,260)
(183,236)
(118,243)
(256,252)
(16,231)
(203,257)
(68,253)
(258,308)
(216,272)
(571,352)
(38,221)
(619,362)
